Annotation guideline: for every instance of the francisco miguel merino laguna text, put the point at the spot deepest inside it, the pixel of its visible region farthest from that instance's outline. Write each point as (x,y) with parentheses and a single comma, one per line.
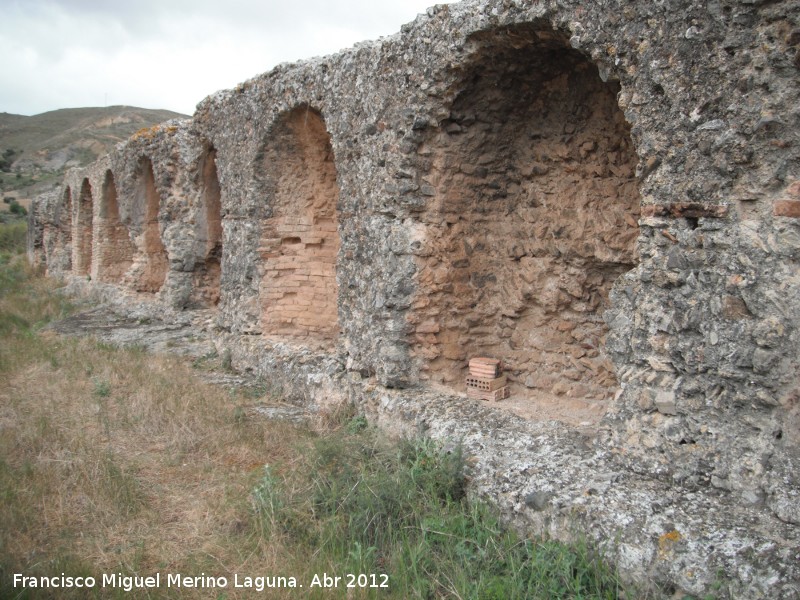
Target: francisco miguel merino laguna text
(172,580)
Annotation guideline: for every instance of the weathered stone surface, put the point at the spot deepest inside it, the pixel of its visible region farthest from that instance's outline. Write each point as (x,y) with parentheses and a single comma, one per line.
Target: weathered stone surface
(690,210)
(787,208)
(600,195)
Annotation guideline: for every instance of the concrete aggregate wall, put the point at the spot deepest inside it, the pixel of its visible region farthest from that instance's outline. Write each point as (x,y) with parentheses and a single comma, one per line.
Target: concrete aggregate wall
(605,195)
(54,242)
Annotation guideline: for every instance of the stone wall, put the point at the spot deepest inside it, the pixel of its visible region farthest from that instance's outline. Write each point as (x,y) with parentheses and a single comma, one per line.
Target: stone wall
(606,196)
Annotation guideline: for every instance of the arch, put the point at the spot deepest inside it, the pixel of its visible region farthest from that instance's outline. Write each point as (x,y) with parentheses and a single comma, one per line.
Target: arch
(206,289)
(84,222)
(300,239)
(65,218)
(114,246)
(57,236)
(151,261)
(534,218)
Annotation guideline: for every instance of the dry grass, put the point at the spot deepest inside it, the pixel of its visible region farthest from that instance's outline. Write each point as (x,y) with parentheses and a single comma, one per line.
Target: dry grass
(117,461)
(114,460)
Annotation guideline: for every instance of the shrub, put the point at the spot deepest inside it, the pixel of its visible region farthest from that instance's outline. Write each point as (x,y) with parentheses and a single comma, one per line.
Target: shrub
(15,208)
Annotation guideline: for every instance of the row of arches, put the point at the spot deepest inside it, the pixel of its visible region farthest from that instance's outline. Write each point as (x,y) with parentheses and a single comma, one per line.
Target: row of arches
(104,247)
(531,215)
(298,245)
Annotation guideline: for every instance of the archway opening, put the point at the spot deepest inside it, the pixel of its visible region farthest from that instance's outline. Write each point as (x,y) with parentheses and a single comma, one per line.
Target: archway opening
(152,261)
(206,288)
(534,218)
(82,257)
(57,236)
(115,248)
(299,237)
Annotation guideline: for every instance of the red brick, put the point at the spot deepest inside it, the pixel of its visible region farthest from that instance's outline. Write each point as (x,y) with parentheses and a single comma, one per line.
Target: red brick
(787,208)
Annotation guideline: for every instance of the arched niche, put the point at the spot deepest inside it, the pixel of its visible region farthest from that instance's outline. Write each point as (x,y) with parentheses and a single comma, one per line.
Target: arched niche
(151,260)
(299,237)
(534,218)
(83,231)
(115,248)
(206,290)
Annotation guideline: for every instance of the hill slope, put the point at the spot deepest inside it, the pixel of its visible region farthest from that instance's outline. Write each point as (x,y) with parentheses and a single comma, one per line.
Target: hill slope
(37,150)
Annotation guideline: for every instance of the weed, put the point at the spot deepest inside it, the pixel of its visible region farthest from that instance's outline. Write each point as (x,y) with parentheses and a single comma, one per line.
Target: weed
(102,388)
(357,424)
(15,208)
(227,360)
(239,415)
(267,500)
(121,486)
(256,391)
(402,510)
(204,360)
(12,237)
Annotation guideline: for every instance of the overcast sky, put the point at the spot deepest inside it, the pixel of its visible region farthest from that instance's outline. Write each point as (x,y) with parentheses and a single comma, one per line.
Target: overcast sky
(169,53)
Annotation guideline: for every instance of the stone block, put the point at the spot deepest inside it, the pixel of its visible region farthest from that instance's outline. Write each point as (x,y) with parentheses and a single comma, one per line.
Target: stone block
(665,403)
(786,208)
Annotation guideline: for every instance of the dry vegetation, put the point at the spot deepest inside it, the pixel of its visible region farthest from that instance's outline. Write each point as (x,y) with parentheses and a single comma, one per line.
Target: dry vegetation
(114,460)
(35,151)
(117,461)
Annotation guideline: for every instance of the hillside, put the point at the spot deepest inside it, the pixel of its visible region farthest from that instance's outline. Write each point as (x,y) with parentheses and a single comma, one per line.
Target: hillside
(35,151)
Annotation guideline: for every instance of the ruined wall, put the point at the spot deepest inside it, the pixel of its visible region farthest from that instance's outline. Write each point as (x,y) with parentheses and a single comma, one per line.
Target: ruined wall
(50,232)
(604,195)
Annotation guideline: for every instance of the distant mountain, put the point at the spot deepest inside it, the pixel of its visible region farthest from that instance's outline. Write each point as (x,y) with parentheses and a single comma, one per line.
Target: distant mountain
(35,151)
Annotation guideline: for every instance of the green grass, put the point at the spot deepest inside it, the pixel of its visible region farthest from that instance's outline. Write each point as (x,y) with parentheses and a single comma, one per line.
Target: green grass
(26,300)
(360,505)
(12,237)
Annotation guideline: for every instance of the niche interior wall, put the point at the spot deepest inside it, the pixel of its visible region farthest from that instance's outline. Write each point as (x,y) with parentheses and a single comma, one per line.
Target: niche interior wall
(207,268)
(151,262)
(299,241)
(83,231)
(534,218)
(115,248)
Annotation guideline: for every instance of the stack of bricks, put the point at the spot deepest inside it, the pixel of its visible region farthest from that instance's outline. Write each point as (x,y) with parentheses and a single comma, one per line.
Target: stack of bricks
(485,380)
